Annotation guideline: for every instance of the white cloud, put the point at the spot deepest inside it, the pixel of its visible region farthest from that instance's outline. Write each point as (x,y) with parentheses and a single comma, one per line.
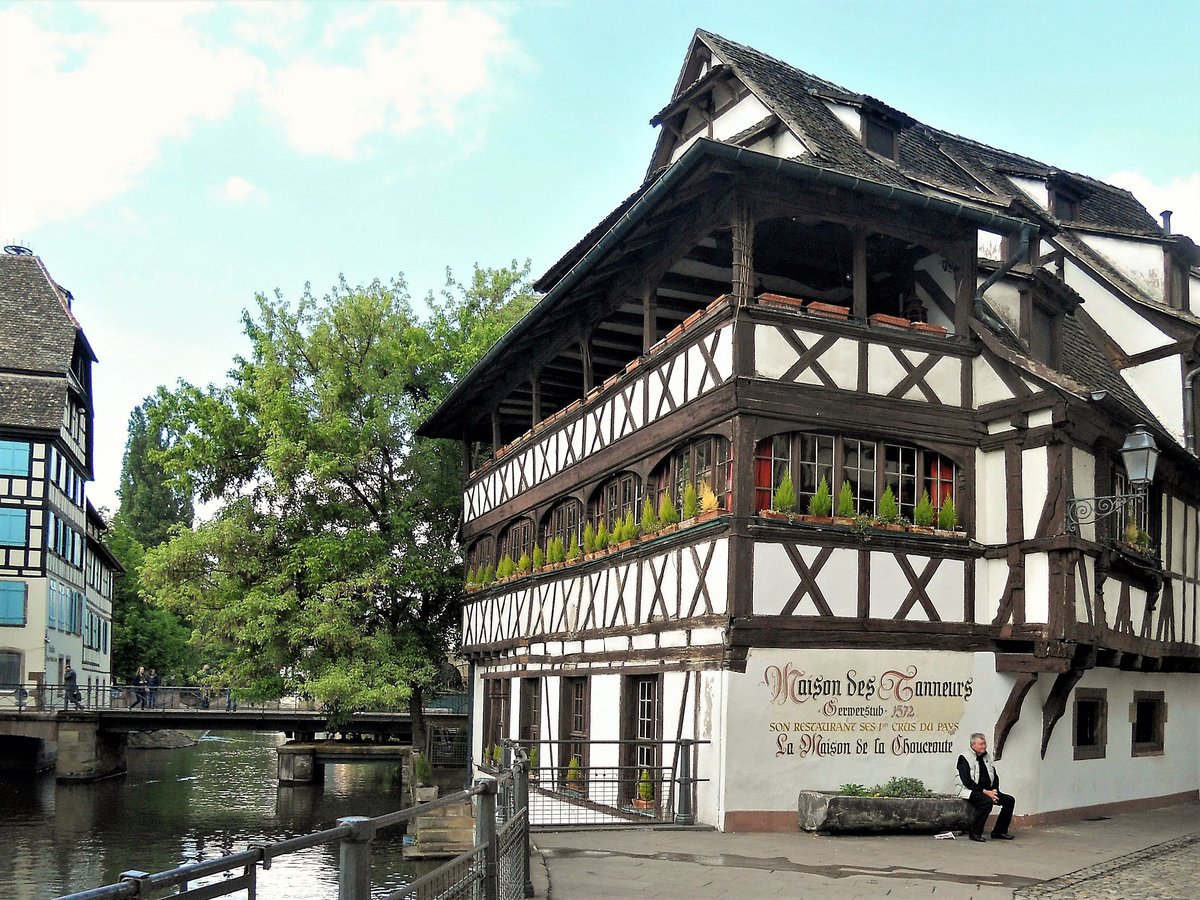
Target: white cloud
(96,103)
(405,79)
(93,109)
(1181,195)
(237,189)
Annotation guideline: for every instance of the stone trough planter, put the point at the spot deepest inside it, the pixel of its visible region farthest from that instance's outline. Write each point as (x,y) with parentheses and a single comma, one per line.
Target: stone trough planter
(830,813)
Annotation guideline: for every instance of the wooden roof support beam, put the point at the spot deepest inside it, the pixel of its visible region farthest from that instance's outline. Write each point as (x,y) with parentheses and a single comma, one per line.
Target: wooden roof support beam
(743,248)
(859,278)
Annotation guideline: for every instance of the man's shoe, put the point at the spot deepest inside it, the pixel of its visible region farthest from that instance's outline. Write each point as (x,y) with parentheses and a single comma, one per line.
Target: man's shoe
(979,838)
(1002,837)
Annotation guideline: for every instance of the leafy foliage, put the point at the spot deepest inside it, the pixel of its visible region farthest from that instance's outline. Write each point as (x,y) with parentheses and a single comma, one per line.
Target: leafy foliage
(539,559)
(708,498)
(332,566)
(589,538)
(895,787)
(645,786)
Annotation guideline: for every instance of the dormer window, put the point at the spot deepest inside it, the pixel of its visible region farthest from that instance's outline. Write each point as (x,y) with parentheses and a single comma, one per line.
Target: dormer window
(879,137)
(1063,206)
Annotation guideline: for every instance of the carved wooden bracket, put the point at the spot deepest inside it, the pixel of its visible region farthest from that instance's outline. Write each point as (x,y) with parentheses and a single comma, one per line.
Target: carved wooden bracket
(1012,710)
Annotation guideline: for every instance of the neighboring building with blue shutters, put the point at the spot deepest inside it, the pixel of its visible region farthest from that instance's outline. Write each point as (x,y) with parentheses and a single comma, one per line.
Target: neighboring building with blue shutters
(56,575)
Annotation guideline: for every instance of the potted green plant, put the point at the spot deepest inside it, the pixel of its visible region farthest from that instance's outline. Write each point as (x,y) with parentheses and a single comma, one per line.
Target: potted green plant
(589,541)
(539,559)
(524,564)
(947,522)
(535,773)
(820,505)
(924,513)
(710,506)
(650,524)
(690,507)
(845,508)
(783,501)
(626,531)
(574,554)
(645,791)
(667,514)
(888,515)
(424,790)
(576,784)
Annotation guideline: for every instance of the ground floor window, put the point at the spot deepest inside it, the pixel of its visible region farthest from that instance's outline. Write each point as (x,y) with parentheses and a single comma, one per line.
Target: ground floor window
(1091,723)
(497,698)
(1149,721)
(575,727)
(12,603)
(530,725)
(641,724)
(10,668)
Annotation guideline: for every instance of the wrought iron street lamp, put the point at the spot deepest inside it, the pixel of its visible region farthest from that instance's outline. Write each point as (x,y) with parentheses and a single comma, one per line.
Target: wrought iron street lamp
(1140,455)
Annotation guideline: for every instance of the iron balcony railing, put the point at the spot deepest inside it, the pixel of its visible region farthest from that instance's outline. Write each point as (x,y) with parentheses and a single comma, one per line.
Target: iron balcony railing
(495,868)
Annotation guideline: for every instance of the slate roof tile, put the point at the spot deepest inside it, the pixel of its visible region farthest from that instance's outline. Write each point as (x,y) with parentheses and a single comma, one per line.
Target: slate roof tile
(37,331)
(32,401)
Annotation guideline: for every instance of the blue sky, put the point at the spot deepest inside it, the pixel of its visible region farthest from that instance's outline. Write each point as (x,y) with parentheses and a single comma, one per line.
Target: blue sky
(170,160)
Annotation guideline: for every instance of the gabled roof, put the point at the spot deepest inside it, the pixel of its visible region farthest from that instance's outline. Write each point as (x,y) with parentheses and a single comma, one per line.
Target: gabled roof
(926,154)
(39,329)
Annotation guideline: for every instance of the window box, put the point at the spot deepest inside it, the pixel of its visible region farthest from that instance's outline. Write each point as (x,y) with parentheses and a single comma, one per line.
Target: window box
(777,515)
(927,328)
(708,516)
(829,310)
(883,320)
(780,300)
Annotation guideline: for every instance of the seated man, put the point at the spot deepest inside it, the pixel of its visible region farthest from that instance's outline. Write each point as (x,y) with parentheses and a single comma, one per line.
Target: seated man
(980,785)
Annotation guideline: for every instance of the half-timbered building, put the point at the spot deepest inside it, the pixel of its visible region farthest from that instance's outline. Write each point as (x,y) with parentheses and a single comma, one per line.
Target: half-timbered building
(56,575)
(951,341)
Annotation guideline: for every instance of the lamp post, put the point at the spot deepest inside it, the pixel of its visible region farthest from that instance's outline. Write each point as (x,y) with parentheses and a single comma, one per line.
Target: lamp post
(1140,455)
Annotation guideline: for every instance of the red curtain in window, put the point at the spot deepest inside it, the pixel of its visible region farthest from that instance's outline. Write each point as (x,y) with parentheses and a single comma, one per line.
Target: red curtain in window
(763,488)
(941,480)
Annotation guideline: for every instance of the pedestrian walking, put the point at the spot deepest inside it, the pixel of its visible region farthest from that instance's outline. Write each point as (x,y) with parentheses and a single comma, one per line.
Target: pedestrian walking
(204,680)
(152,683)
(71,687)
(140,689)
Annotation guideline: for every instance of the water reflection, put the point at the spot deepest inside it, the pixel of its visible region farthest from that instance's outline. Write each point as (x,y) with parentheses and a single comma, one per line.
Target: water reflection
(182,806)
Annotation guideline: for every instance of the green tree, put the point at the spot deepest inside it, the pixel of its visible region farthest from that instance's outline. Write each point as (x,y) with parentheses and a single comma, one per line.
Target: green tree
(332,566)
(151,504)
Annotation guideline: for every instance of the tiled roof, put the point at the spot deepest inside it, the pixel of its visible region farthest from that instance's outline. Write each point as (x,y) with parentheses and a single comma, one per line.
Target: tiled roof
(38,333)
(925,153)
(1085,361)
(32,401)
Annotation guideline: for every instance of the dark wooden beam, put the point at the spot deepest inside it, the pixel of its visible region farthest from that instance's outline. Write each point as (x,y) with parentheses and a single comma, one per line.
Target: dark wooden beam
(535,386)
(859,276)
(585,357)
(743,248)
(649,318)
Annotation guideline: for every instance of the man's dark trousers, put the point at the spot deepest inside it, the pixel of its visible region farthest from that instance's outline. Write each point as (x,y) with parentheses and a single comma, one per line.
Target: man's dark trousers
(983,808)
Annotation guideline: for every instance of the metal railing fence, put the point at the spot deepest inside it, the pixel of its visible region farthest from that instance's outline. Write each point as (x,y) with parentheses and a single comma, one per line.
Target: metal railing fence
(496,868)
(574,793)
(37,697)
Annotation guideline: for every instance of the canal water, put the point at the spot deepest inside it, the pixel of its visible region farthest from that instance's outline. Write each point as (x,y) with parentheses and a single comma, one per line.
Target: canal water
(181,806)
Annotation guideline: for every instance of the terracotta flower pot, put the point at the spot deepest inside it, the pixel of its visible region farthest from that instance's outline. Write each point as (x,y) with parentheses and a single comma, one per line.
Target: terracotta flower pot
(926,328)
(883,320)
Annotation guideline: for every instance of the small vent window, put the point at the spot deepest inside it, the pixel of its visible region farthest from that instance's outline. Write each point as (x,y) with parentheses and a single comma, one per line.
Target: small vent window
(879,138)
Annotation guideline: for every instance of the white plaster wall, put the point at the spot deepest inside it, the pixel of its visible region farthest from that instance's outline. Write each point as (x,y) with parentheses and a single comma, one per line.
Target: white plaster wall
(986,384)
(1141,262)
(1035,188)
(788,146)
(712,755)
(1083,484)
(775,579)
(989,245)
(1034,484)
(1037,587)
(1005,299)
(1069,783)
(746,112)
(606,720)
(847,115)
(761,777)
(1132,333)
(1160,387)
(991,508)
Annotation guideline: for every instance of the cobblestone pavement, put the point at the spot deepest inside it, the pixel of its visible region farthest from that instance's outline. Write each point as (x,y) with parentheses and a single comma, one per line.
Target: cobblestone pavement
(1167,871)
